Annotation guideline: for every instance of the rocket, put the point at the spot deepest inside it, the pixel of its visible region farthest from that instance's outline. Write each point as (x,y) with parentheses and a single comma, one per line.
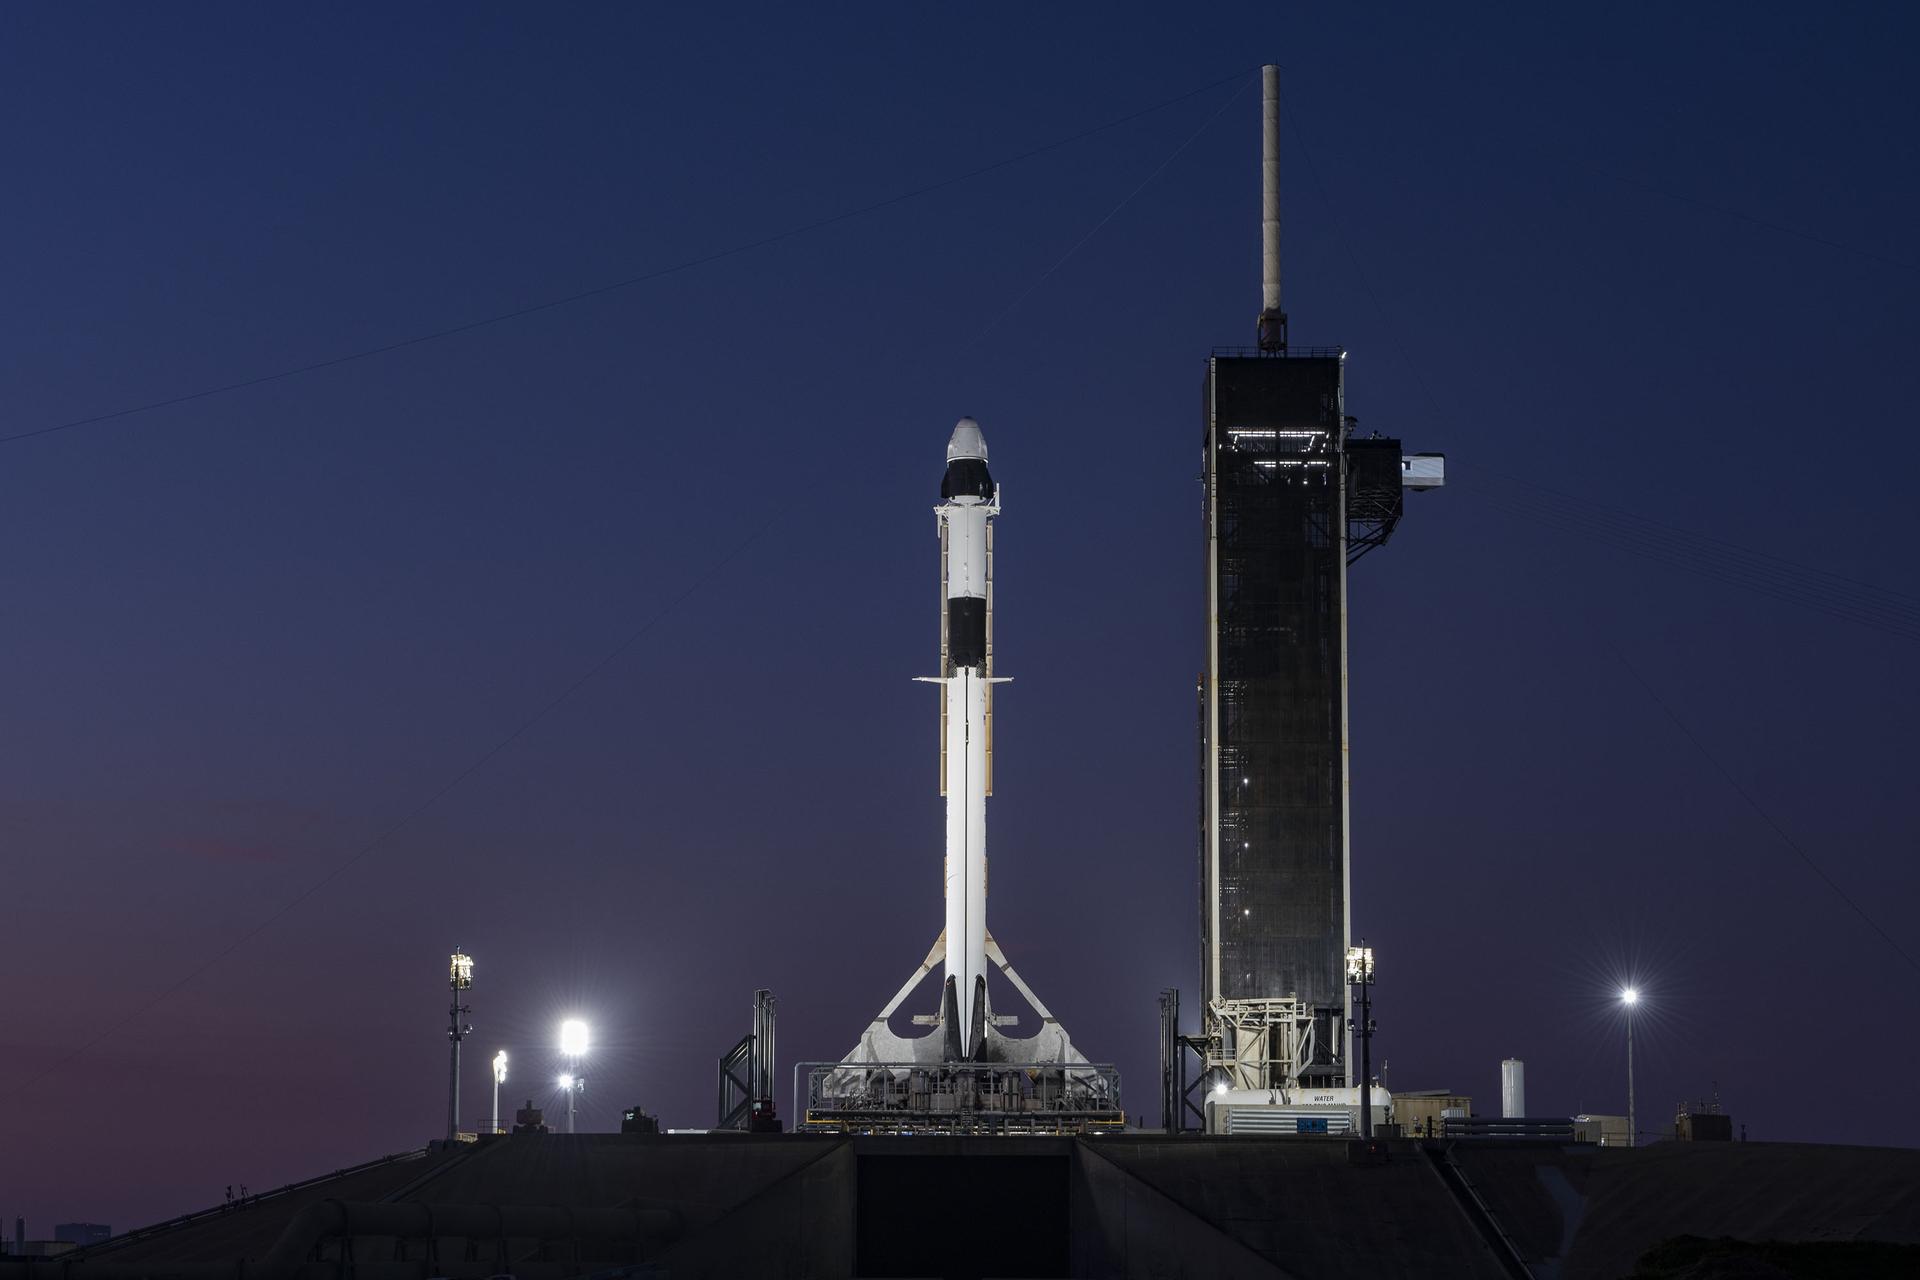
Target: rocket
(969,500)
(965,1029)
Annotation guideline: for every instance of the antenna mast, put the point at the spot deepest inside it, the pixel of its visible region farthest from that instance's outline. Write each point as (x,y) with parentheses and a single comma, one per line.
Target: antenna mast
(1273,321)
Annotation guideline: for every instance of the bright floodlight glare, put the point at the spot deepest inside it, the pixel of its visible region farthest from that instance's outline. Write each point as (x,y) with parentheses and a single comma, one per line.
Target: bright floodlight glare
(1359,964)
(1629,996)
(500,1067)
(460,971)
(565,1082)
(1220,1088)
(573,1038)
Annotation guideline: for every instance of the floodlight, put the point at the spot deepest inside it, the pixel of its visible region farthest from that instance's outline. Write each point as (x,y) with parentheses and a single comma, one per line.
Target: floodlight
(565,1082)
(573,1037)
(1359,964)
(1629,997)
(500,1067)
(1220,1088)
(460,971)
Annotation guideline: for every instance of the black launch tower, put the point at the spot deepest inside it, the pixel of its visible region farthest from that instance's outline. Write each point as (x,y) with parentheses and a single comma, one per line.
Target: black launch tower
(1293,496)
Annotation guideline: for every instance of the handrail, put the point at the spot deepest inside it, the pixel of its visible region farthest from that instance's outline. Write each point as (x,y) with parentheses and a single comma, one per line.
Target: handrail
(1299,353)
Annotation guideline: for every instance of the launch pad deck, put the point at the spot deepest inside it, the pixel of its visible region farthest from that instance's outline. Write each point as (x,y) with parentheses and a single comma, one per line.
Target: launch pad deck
(959,1098)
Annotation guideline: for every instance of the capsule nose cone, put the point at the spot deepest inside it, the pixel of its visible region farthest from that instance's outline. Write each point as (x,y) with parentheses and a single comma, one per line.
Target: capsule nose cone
(966,479)
(967,442)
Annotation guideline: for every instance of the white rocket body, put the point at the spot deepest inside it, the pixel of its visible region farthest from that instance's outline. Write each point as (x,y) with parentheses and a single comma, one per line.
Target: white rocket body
(966,868)
(969,499)
(966,1029)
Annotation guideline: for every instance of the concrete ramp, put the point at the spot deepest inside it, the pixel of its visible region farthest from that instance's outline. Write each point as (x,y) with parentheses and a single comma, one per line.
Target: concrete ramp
(1588,1213)
(1304,1210)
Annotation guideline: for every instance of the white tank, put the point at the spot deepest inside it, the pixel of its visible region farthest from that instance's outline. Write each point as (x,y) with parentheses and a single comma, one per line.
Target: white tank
(1513,1089)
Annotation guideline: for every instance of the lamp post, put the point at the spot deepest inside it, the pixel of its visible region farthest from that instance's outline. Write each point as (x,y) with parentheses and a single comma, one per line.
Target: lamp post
(573,1047)
(499,1078)
(1629,997)
(1360,974)
(459,978)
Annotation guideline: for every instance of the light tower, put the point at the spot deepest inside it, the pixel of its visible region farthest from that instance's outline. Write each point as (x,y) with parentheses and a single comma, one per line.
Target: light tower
(460,979)
(1629,997)
(1360,977)
(573,1047)
(499,1078)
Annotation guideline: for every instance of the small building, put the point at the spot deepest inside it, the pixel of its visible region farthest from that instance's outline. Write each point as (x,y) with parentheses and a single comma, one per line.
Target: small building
(529,1119)
(1702,1126)
(1419,1112)
(1606,1131)
(82,1233)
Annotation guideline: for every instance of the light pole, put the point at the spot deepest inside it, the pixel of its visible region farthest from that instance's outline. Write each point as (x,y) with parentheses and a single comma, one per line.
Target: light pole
(499,1078)
(1360,974)
(573,1047)
(459,978)
(1630,997)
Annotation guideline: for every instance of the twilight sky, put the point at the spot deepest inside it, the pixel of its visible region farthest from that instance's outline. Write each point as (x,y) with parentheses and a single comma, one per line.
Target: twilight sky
(1645,274)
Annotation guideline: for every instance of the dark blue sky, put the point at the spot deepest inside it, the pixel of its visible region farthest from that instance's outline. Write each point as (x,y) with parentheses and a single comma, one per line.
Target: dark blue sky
(1642,264)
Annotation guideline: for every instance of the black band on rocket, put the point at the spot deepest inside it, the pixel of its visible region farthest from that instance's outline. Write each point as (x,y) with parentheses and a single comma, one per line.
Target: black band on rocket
(967,478)
(966,632)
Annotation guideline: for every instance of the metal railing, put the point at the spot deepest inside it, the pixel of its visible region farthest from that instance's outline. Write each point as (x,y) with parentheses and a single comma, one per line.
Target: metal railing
(1536,1128)
(1300,353)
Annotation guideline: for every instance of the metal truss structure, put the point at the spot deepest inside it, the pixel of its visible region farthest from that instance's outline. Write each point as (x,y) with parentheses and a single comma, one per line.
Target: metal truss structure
(746,1074)
(1272,1044)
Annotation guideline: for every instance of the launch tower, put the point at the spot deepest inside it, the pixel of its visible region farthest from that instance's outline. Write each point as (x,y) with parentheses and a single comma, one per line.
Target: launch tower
(1293,497)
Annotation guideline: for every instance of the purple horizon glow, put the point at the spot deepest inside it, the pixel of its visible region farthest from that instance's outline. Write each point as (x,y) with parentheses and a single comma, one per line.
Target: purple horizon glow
(251,636)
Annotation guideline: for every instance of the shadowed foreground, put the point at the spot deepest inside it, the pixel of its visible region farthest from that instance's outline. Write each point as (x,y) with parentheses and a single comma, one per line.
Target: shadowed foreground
(1691,1258)
(551,1205)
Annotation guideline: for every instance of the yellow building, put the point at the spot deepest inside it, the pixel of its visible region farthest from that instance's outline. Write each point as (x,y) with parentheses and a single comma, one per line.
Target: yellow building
(1419,1112)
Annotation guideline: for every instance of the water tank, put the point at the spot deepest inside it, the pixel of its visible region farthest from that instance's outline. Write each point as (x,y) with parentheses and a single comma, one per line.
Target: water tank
(1513,1089)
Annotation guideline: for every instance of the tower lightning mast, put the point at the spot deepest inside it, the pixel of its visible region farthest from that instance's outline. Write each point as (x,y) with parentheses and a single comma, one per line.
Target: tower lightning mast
(1294,495)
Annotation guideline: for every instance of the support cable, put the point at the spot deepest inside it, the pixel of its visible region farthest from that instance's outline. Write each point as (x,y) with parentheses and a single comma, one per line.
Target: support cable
(645,277)
(1869,611)
(1094,230)
(521,729)
(1779,228)
(1886,600)
(1876,607)
(1761,811)
(1896,604)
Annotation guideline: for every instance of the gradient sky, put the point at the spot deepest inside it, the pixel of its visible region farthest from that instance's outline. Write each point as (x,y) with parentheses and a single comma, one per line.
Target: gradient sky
(1634,264)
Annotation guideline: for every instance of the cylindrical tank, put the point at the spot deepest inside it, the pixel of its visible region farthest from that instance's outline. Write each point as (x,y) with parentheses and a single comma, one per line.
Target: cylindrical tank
(1513,1089)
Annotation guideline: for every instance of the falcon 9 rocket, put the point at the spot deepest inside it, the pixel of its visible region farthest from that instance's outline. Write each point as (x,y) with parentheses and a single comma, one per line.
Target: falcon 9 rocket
(968,503)
(966,1028)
